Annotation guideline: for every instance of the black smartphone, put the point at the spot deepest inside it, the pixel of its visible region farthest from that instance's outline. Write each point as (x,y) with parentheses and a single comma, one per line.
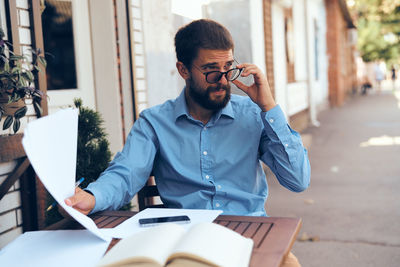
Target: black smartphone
(159,220)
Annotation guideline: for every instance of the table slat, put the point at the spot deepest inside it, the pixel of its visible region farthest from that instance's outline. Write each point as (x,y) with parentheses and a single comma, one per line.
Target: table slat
(242,227)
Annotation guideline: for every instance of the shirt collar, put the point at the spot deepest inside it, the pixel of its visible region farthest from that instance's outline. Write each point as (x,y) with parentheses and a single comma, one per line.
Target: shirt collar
(181,108)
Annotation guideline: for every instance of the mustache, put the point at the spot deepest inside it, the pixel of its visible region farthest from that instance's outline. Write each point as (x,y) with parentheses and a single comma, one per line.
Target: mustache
(218,88)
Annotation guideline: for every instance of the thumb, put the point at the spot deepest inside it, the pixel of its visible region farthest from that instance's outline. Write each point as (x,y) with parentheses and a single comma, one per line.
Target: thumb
(76,198)
(70,201)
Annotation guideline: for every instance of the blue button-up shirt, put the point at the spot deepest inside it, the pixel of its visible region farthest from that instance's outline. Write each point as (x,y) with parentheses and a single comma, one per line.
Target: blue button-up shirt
(212,166)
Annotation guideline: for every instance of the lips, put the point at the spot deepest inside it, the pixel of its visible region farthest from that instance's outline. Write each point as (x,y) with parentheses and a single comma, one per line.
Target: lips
(219,92)
(219,89)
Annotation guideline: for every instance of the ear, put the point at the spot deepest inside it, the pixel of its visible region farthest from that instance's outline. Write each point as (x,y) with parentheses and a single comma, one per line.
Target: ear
(183,71)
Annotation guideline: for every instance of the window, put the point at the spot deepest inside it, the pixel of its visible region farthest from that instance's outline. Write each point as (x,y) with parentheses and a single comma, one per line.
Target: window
(289,45)
(3,18)
(58,39)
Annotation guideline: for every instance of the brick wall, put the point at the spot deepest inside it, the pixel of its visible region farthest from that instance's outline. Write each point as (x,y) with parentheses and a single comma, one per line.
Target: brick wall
(341,70)
(10,208)
(10,204)
(269,56)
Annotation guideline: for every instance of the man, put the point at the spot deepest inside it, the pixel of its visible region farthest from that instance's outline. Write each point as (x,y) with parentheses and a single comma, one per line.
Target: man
(204,147)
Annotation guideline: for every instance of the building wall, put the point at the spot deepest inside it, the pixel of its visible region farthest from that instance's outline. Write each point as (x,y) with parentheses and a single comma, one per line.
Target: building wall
(10,208)
(10,205)
(269,50)
(291,94)
(318,56)
(279,55)
(163,79)
(341,71)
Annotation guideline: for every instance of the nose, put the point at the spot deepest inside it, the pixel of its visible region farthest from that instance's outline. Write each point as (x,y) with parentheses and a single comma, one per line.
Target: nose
(223,79)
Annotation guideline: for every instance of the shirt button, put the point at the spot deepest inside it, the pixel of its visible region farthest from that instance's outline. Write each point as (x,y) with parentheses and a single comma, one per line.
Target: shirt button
(205,153)
(207,177)
(217,205)
(218,186)
(271,120)
(205,128)
(286,145)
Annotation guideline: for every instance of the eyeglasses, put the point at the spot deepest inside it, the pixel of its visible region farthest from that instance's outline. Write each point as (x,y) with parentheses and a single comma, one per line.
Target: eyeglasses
(215,76)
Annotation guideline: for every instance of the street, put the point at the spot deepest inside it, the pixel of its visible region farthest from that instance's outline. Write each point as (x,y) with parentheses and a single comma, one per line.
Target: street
(351,211)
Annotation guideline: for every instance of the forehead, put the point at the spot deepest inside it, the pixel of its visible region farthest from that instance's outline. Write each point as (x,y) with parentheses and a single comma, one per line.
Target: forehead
(208,56)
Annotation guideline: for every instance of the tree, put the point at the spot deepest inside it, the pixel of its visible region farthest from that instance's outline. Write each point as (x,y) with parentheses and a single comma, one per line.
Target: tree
(378,24)
(93,153)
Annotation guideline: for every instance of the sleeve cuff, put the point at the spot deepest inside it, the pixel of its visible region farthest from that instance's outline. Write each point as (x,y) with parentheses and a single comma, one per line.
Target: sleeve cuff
(91,189)
(274,118)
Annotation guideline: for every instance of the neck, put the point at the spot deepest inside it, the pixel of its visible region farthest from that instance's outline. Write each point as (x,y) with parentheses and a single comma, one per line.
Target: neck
(197,111)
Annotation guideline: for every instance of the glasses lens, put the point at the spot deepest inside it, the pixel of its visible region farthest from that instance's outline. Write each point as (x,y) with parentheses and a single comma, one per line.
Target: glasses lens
(233,74)
(213,77)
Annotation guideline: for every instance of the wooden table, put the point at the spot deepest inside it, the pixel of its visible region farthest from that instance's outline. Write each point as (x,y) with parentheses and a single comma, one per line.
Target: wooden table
(273,236)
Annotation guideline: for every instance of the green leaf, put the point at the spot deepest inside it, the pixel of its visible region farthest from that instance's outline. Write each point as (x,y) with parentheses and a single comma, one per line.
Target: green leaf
(7,122)
(42,61)
(30,75)
(16,125)
(20,112)
(38,108)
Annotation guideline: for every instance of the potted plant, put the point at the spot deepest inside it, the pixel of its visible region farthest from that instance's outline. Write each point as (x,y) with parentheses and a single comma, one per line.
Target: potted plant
(17,76)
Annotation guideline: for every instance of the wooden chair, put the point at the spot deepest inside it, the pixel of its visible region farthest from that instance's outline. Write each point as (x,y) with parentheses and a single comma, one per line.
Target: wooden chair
(147,196)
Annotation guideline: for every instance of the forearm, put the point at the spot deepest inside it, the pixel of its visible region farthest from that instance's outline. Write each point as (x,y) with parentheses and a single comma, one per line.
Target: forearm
(282,150)
(129,170)
(114,188)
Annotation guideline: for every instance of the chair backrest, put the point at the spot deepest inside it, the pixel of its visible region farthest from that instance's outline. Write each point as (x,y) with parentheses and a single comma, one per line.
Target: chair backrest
(147,196)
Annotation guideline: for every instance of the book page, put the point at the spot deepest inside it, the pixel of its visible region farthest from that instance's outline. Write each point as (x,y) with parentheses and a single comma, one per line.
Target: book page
(152,245)
(216,245)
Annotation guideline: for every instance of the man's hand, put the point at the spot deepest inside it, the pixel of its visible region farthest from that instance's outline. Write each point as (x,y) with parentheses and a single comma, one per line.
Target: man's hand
(259,91)
(82,201)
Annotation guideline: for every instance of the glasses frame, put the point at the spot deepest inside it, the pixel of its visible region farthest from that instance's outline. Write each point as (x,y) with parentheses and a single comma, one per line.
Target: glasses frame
(206,74)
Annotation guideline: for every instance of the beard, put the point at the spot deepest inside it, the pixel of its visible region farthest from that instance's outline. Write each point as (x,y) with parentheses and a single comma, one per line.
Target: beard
(202,97)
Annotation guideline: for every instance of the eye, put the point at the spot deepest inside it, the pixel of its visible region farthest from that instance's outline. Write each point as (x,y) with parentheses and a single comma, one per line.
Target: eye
(228,65)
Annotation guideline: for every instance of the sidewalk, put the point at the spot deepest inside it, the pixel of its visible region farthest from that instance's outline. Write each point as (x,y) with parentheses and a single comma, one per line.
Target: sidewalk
(351,211)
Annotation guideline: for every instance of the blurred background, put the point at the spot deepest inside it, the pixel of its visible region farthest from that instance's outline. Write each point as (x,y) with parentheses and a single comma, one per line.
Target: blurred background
(332,66)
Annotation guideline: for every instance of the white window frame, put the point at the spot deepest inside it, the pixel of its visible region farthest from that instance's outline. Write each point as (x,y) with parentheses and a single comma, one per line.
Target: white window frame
(83,62)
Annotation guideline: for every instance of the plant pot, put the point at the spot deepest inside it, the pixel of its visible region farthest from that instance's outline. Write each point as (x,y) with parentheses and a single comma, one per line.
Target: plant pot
(10,108)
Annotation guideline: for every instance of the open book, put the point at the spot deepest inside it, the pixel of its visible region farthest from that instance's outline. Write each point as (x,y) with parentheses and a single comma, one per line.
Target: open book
(204,244)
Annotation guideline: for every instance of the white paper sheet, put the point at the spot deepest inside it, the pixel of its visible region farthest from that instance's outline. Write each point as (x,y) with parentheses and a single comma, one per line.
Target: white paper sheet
(78,248)
(51,146)
(131,226)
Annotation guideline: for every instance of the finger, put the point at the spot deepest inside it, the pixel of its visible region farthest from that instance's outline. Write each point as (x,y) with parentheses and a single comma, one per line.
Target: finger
(75,199)
(241,86)
(251,71)
(244,65)
(248,68)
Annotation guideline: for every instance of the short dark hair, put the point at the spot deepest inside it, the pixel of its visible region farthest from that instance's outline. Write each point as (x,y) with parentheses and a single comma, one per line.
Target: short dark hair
(202,33)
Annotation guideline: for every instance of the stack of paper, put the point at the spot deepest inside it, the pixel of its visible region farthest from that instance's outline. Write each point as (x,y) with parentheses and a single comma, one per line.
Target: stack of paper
(51,145)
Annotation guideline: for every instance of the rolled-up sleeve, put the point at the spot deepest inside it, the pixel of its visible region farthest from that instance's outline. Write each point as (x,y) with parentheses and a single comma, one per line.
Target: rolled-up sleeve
(282,150)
